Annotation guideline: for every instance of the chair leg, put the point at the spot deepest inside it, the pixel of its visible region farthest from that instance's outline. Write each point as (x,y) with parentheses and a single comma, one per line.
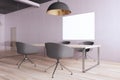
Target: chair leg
(55,69)
(56,65)
(61,67)
(86,56)
(24,59)
(50,67)
(91,58)
(19,64)
(31,61)
(66,68)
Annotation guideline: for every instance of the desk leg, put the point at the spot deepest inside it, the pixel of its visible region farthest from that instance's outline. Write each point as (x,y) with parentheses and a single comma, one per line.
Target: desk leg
(44,52)
(83,61)
(98,62)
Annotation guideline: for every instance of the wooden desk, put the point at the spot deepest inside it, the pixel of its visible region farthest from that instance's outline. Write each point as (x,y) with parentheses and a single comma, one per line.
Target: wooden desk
(83,53)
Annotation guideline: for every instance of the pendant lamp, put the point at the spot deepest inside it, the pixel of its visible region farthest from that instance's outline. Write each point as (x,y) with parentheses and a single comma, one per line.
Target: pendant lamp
(58,8)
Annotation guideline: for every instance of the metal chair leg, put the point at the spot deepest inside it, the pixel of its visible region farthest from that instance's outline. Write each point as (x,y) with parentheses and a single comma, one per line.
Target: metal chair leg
(50,67)
(56,65)
(31,61)
(18,62)
(66,68)
(24,59)
(55,69)
(21,63)
(61,66)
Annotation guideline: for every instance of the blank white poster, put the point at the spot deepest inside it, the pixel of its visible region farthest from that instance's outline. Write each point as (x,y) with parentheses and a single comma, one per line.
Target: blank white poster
(79,27)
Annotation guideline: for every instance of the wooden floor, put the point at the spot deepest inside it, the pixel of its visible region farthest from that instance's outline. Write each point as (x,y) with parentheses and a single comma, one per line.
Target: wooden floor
(9,71)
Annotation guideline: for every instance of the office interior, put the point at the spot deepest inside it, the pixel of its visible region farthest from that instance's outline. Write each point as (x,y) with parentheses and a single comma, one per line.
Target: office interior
(32,25)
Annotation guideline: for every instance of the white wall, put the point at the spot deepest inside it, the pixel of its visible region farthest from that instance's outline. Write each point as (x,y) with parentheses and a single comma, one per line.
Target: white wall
(2,31)
(107,24)
(35,26)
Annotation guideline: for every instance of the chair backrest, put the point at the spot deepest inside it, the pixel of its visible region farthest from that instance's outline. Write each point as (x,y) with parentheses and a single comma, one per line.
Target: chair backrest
(57,51)
(66,42)
(23,48)
(88,43)
(20,47)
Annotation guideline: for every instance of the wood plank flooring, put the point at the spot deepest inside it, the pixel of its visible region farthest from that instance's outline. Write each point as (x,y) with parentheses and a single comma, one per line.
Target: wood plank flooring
(9,71)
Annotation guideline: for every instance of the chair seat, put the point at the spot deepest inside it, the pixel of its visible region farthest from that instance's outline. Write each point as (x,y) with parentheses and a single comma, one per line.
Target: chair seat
(58,51)
(25,50)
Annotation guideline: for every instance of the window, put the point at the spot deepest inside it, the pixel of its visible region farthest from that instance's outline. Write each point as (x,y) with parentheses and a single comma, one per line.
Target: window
(79,27)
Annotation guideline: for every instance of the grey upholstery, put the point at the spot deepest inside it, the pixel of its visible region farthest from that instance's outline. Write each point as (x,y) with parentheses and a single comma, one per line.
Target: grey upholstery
(87,50)
(58,51)
(66,42)
(25,50)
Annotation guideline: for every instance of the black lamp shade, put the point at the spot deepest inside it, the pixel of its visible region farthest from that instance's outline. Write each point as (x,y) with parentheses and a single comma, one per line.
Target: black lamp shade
(58,9)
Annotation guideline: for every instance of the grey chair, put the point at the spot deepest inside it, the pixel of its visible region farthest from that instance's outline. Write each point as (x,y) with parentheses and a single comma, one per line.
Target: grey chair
(66,42)
(25,50)
(87,50)
(58,51)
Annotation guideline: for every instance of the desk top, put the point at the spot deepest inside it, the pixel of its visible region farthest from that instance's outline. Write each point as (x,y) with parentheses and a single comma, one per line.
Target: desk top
(73,45)
(82,46)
